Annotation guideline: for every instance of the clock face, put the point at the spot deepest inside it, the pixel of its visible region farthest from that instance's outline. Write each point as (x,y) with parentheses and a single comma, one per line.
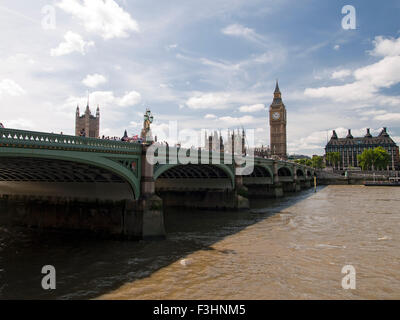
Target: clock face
(276,115)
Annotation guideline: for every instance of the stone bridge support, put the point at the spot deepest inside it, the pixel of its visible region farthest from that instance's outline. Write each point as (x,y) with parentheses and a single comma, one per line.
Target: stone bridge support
(278,187)
(296,182)
(149,206)
(241,200)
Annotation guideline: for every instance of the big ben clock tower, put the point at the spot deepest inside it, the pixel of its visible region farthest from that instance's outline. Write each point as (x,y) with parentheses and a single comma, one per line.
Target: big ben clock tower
(277,122)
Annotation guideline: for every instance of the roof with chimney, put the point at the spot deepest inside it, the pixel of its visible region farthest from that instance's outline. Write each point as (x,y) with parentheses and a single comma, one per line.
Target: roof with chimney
(382,139)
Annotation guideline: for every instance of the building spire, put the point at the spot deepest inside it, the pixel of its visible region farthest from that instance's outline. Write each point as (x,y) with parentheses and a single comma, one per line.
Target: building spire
(277,87)
(87,106)
(277,94)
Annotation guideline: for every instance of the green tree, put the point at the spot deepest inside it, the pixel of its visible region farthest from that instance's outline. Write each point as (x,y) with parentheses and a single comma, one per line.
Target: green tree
(372,159)
(303,161)
(366,159)
(333,158)
(382,158)
(317,162)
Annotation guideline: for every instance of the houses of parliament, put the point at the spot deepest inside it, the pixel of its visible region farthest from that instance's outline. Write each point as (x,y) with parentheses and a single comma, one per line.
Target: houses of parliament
(278,136)
(87,125)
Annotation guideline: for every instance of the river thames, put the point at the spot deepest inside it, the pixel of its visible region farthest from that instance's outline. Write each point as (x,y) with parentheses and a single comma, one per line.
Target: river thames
(290,248)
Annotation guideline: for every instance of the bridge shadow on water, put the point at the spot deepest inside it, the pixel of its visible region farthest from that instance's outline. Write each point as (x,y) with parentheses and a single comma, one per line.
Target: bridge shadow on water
(88,267)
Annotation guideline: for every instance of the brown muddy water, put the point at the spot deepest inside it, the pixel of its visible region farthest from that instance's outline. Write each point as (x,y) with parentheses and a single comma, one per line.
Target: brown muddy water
(290,248)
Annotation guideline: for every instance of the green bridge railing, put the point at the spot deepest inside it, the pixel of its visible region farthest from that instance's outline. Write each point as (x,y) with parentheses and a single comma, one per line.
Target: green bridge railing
(42,140)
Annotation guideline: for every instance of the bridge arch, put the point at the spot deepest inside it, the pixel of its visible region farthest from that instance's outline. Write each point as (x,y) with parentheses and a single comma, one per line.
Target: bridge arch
(300,172)
(106,166)
(262,171)
(194,171)
(284,172)
(182,171)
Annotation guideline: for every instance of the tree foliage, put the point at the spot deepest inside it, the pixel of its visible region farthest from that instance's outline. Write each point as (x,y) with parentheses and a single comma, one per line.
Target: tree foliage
(372,159)
(333,158)
(317,162)
(304,161)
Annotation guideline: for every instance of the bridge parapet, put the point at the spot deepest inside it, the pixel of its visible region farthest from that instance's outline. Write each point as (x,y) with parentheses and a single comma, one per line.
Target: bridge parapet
(41,140)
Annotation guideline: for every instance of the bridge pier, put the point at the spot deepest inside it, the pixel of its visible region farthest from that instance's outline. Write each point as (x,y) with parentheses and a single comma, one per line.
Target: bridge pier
(149,204)
(241,194)
(278,186)
(296,182)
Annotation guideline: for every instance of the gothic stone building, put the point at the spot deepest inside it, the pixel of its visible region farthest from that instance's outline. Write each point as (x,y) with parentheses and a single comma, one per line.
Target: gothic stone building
(277,122)
(235,143)
(350,147)
(87,125)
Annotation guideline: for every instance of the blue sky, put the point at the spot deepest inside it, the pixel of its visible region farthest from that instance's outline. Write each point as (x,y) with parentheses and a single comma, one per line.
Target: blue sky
(207,64)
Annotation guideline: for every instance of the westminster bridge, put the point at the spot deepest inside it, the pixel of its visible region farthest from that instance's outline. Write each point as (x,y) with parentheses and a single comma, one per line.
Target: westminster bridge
(111,187)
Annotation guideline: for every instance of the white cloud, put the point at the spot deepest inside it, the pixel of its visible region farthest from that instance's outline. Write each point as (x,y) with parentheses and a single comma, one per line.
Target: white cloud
(20,123)
(73,42)
(396,139)
(229,121)
(105,98)
(252,108)
(208,101)
(341,74)
(336,47)
(171,46)
(386,47)
(357,91)
(372,112)
(94,80)
(103,17)
(11,88)
(210,116)
(369,79)
(222,100)
(134,124)
(389,117)
(129,99)
(238,30)
(311,142)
